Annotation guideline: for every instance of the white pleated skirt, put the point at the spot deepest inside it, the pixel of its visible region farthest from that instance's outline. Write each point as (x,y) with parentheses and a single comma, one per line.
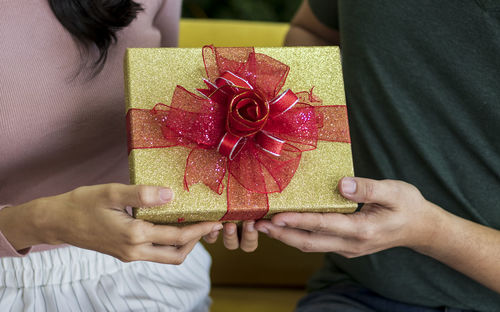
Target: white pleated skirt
(74,279)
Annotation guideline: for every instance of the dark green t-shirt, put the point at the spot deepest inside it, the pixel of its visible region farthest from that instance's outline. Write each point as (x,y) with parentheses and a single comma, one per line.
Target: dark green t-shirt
(422,81)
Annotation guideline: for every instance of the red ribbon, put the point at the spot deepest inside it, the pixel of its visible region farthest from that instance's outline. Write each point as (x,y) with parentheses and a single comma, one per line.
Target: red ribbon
(242,125)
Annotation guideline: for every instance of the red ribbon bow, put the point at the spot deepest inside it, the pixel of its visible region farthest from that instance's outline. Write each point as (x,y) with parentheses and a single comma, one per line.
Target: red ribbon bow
(240,124)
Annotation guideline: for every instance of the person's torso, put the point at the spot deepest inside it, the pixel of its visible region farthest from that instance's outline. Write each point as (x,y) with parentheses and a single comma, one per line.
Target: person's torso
(59,130)
(422,82)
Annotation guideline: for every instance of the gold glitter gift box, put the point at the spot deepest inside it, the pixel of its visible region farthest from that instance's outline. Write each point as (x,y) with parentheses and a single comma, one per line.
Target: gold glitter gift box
(152,75)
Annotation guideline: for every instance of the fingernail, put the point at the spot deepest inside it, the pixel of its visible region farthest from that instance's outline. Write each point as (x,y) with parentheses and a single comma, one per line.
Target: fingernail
(348,185)
(166,194)
(279,223)
(250,227)
(263,229)
(230,230)
(217,228)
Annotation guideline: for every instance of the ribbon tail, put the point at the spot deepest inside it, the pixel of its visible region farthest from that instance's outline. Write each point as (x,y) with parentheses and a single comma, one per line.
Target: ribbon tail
(144,131)
(333,124)
(243,204)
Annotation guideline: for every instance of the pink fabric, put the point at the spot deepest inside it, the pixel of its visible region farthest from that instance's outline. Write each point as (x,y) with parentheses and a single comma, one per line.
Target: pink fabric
(58,133)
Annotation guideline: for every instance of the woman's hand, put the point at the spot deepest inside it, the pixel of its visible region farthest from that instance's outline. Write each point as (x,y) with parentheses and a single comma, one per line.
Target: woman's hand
(249,236)
(94,217)
(395,214)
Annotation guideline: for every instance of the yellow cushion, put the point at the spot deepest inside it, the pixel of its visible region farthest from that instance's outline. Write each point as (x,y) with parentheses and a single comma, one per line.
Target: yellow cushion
(227,33)
(230,299)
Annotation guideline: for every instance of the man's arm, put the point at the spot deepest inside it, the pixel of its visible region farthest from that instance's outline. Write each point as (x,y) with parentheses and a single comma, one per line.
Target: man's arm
(468,247)
(395,214)
(307,30)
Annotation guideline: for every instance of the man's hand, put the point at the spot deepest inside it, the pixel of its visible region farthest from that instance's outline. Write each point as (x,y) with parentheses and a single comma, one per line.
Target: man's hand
(249,236)
(394,214)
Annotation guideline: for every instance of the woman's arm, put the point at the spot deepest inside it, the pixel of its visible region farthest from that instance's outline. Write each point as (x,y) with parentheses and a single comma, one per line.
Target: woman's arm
(94,217)
(6,248)
(167,21)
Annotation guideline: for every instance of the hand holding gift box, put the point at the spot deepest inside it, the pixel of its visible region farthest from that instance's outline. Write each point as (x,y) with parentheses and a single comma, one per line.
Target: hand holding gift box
(241,131)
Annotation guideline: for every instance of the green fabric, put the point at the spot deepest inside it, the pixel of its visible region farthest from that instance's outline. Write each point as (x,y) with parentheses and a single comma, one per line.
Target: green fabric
(422,82)
(326,12)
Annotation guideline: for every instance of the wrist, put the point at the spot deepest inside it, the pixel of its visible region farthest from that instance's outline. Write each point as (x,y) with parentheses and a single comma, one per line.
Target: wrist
(44,220)
(435,225)
(17,226)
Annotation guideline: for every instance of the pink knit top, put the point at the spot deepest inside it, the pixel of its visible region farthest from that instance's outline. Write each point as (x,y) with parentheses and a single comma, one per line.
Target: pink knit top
(58,133)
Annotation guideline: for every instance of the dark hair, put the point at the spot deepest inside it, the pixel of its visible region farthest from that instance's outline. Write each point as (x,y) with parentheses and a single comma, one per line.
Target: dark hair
(94,23)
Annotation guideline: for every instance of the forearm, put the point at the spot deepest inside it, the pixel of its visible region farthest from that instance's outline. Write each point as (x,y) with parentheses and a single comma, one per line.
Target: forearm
(467,247)
(167,22)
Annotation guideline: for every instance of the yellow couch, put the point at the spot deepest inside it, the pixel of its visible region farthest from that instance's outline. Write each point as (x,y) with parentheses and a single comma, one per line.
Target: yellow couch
(273,277)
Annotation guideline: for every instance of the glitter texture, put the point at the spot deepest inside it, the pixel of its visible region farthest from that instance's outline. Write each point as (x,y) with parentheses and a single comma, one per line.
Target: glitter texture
(151,77)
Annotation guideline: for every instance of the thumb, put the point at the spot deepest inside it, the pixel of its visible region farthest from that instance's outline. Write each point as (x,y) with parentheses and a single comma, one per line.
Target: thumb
(362,190)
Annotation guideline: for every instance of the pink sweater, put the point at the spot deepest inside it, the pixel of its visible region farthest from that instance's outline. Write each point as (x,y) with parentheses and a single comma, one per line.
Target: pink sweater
(56,133)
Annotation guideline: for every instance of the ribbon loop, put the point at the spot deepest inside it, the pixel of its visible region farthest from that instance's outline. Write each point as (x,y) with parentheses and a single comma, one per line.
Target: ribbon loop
(232,79)
(230,145)
(269,143)
(282,103)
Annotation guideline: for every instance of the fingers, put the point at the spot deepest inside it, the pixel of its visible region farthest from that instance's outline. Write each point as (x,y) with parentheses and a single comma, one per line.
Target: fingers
(249,237)
(343,225)
(361,190)
(165,254)
(211,237)
(302,240)
(247,240)
(162,243)
(122,195)
(230,236)
(178,236)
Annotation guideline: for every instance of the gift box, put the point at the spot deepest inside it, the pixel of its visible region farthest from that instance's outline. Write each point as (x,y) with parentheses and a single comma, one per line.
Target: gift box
(238,133)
